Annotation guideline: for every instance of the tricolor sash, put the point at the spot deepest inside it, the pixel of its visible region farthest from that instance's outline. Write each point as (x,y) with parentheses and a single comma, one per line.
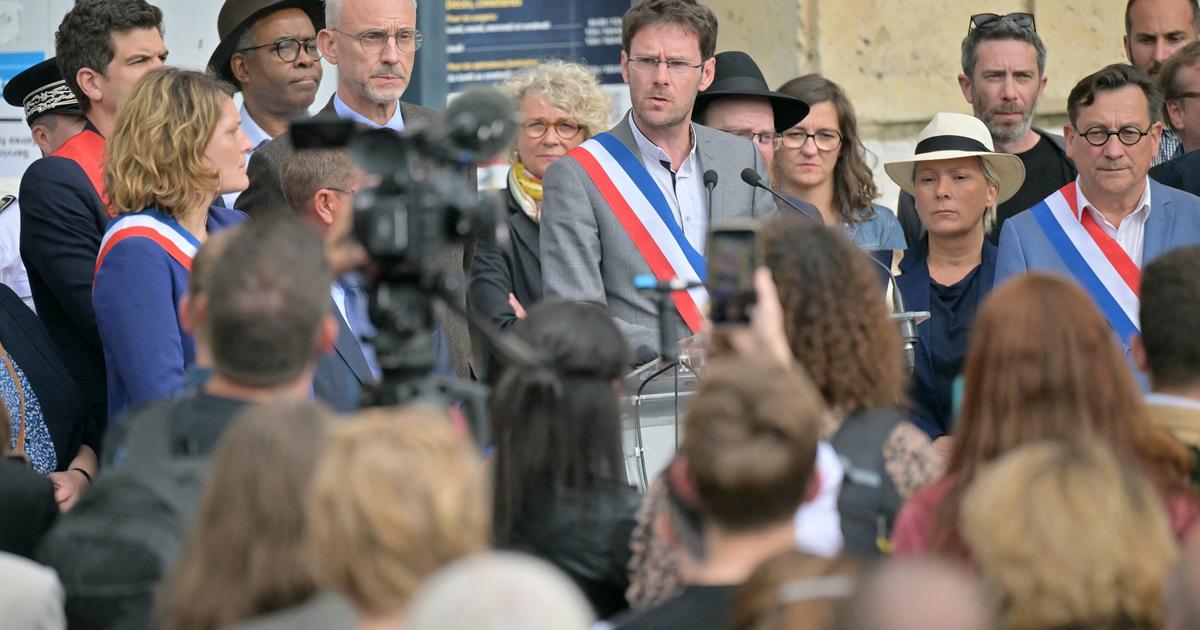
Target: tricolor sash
(1093,257)
(641,208)
(150,224)
(86,149)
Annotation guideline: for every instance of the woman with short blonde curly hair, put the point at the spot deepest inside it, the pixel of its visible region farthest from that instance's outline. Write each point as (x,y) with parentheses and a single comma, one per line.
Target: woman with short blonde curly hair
(176,144)
(561,104)
(1069,536)
(396,495)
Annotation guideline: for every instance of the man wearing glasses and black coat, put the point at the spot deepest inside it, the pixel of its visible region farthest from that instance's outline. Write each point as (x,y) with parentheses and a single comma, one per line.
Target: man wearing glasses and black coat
(268,51)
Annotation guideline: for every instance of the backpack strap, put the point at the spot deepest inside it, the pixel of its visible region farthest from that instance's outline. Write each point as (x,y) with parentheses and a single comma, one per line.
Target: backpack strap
(868,494)
(12,372)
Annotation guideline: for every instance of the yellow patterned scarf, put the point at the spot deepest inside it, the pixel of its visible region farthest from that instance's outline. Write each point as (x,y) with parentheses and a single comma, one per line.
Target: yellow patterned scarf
(526,190)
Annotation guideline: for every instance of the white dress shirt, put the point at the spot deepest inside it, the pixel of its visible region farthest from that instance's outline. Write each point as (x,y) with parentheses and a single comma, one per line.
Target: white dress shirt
(257,137)
(1131,233)
(12,269)
(684,192)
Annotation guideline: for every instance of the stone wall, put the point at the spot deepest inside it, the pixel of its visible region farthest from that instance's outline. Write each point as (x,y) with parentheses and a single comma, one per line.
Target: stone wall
(898,60)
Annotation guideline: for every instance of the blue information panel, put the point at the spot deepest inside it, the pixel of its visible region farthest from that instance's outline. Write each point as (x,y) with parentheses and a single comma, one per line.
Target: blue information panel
(488,40)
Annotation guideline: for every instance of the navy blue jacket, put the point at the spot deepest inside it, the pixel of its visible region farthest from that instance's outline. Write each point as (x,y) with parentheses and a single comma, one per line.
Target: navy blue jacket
(136,299)
(913,282)
(62,220)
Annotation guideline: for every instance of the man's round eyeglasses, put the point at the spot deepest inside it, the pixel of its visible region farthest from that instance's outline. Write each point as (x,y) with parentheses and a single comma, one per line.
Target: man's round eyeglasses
(1098,136)
(288,48)
(374,41)
(824,139)
(765,138)
(675,66)
(537,128)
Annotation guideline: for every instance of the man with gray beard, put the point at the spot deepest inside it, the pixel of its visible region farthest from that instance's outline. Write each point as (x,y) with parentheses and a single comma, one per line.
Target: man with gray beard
(1003,77)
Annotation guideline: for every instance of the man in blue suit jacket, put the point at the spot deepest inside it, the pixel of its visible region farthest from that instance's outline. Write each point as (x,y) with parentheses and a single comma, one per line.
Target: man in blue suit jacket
(1127,219)
(318,186)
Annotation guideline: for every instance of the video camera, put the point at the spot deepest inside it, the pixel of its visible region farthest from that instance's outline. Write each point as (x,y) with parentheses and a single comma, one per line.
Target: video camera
(423,205)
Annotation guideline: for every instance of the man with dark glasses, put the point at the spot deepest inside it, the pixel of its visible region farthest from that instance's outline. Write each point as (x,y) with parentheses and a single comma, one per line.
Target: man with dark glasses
(1154,30)
(269,51)
(1003,77)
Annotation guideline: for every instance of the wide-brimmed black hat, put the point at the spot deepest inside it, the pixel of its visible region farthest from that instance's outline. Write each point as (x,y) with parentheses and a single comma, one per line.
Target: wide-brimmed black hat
(40,89)
(238,15)
(738,75)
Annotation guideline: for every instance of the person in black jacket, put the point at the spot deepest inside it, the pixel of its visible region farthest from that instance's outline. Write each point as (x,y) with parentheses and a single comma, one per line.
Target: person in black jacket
(560,482)
(45,409)
(561,105)
(28,500)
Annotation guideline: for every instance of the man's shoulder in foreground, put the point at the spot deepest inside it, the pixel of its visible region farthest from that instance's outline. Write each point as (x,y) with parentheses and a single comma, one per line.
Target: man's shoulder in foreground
(695,608)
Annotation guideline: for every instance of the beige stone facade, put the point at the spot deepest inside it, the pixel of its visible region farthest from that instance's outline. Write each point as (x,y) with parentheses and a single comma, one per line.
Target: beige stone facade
(898,60)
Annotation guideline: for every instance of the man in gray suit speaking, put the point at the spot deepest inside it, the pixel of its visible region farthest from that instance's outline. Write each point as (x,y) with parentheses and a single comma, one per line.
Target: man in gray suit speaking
(634,200)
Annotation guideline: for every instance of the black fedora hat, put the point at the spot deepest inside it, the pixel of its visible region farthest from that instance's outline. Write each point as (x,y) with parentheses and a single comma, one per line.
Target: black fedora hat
(238,15)
(738,75)
(40,89)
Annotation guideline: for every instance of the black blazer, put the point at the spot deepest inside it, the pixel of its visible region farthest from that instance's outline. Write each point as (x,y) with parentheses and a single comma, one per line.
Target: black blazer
(27,508)
(1182,172)
(513,267)
(30,347)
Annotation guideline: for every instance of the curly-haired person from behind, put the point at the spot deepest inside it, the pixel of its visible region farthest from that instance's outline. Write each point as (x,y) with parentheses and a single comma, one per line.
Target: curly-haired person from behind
(750,447)
(838,328)
(246,554)
(397,495)
(1069,535)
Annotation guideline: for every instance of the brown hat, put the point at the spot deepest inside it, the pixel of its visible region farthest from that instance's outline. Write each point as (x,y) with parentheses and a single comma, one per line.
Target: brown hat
(238,15)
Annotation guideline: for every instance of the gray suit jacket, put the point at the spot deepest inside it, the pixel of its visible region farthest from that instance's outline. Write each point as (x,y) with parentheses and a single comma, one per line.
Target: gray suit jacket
(586,254)
(265,197)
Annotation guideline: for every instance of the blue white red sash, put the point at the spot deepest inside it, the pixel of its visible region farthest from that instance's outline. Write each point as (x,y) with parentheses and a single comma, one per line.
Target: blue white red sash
(643,211)
(153,225)
(1093,257)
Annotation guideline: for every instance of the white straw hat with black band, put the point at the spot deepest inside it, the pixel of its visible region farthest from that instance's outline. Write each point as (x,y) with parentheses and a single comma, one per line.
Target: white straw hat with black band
(949,136)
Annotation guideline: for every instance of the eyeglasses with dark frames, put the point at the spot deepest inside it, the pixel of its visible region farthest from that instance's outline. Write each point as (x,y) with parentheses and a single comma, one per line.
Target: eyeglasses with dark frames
(537,128)
(985,21)
(765,138)
(1098,136)
(375,40)
(288,48)
(674,66)
(824,139)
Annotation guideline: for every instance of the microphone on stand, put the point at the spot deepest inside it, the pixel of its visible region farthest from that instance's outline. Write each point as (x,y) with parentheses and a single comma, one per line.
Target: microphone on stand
(905,319)
(710,182)
(666,310)
(751,176)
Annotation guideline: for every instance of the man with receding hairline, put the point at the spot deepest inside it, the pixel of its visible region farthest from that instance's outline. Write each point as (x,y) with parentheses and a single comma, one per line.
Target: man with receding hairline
(374,44)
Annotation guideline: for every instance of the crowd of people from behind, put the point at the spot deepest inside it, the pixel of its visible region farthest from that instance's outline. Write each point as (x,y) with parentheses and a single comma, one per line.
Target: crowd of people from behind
(188,343)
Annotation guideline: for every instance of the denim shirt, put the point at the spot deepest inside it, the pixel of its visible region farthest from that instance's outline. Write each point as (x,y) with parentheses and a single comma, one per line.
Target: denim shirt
(880,232)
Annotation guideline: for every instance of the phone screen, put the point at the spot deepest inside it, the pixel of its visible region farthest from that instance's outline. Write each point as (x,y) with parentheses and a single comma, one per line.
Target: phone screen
(732,259)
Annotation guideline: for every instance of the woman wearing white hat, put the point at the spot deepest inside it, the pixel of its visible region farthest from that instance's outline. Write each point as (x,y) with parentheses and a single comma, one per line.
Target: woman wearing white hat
(957,180)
